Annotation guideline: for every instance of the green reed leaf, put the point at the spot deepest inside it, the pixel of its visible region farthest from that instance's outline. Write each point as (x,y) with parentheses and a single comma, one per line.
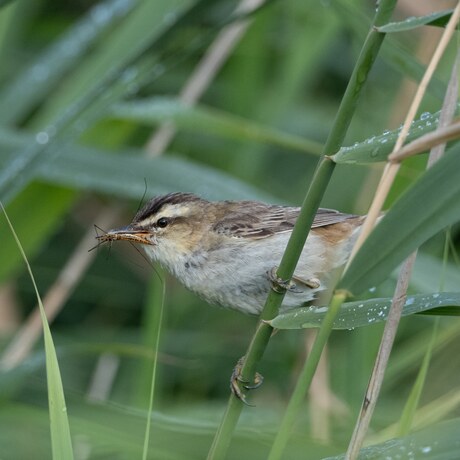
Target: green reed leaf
(212,121)
(61,442)
(366,312)
(430,205)
(439,18)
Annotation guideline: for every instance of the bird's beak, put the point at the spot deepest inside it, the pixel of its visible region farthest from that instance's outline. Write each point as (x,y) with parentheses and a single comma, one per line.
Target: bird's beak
(129,233)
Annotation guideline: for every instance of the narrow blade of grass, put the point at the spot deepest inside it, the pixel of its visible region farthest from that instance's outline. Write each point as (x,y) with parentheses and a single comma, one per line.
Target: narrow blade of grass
(156,303)
(59,423)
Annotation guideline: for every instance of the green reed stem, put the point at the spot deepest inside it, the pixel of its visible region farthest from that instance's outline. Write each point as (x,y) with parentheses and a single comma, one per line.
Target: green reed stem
(295,245)
(362,68)
(306,376)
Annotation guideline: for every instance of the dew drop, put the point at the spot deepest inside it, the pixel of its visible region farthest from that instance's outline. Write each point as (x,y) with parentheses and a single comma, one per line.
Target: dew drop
(425,115)
(42,137)
(375,152)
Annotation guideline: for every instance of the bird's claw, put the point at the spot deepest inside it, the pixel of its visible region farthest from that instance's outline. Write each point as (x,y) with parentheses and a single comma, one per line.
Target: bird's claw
(279,285)
(237,379)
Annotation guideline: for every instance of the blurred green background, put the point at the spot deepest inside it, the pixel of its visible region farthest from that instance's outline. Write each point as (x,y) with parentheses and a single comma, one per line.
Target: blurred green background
(75,152)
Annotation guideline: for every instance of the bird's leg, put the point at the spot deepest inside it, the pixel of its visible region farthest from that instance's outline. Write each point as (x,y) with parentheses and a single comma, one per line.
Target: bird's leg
(237,378)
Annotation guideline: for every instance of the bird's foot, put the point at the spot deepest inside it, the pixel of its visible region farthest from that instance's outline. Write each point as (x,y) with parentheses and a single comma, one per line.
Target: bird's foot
(312,283)
(236,379)
(279,285)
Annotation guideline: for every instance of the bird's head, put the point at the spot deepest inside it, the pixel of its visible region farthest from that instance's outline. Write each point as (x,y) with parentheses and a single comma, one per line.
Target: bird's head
(170,226)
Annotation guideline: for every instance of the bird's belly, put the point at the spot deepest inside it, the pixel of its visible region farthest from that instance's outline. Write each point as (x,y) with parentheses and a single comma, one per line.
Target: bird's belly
(237,276)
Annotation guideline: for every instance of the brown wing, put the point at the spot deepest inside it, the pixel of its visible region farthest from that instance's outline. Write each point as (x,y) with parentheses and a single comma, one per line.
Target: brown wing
(257,220)
(326,216)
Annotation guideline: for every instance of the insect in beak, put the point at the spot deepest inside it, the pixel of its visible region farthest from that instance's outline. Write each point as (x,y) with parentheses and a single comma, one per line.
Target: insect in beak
(126,234)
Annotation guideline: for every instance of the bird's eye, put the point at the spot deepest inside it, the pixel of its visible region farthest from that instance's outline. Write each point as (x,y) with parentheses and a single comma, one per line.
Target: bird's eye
(162,222)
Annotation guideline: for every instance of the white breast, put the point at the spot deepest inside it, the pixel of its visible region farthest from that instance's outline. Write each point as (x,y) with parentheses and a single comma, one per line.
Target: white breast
(235,275)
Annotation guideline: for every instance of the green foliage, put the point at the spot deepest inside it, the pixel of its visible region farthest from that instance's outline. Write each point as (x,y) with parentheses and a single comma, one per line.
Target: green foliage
(377,148)
(83,86)
(439,18)
(365,312)
(206,120)
(437,442)
(431,204)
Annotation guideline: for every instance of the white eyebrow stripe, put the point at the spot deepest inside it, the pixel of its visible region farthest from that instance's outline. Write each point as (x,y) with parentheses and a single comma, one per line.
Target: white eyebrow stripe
(170,211)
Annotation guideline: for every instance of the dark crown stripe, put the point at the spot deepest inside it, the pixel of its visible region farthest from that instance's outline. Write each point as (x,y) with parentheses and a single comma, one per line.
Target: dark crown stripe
(156,204)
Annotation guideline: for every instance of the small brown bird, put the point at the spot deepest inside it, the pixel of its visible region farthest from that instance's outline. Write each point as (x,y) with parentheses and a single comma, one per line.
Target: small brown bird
(228,251)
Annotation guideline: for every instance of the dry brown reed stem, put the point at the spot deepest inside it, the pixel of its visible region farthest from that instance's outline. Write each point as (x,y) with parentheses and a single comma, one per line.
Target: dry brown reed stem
(375,383)
(79,261)
(426,142)
(383,355)
(391,169)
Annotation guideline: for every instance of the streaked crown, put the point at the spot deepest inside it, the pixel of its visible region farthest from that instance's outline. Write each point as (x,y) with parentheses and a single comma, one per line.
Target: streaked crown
(166,208)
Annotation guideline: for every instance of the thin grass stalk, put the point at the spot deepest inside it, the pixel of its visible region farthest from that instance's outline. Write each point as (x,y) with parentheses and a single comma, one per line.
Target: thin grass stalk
(394,316)
(410,409)
(300,232)
(61,442)
(157,282)
(149,332)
